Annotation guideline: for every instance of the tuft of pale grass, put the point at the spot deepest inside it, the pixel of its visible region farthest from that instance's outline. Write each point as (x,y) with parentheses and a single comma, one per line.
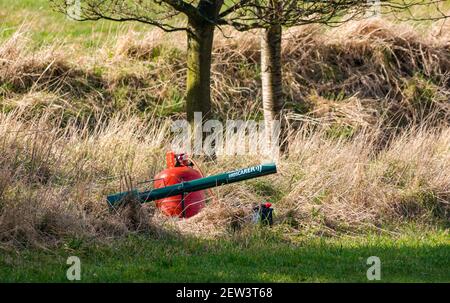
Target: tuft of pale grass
(54,179)
(368,112)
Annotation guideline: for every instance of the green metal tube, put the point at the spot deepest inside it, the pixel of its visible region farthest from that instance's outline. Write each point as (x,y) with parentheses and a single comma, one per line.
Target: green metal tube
(198,184)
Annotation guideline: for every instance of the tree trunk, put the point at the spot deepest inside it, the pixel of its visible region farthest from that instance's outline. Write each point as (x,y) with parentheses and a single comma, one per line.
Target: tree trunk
(199,48)
(271,77)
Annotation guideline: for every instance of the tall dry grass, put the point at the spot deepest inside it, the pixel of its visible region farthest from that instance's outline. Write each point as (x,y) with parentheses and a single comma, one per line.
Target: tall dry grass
(54,181)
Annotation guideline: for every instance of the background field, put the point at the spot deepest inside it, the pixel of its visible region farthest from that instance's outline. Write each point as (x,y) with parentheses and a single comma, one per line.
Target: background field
(84,105)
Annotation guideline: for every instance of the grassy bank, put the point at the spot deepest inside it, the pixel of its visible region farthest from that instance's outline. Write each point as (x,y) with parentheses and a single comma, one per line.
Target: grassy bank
(263,258)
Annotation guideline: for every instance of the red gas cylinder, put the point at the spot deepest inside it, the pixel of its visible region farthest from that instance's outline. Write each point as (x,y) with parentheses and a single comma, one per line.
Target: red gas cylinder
(179,169)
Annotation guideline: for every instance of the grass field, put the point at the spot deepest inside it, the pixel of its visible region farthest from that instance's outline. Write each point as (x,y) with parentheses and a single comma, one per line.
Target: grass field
(48,26)
(264,258)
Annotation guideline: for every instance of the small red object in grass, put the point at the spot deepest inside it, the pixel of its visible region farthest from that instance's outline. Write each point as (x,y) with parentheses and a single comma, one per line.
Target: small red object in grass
(268,205)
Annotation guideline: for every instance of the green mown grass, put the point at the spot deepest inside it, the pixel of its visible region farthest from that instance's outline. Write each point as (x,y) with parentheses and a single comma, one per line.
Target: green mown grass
(263,258)
(47,26)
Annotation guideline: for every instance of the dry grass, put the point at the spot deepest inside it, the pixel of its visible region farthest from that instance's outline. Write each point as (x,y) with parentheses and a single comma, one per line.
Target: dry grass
(54,181)
(347,185)
(392,68)
(76,125)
